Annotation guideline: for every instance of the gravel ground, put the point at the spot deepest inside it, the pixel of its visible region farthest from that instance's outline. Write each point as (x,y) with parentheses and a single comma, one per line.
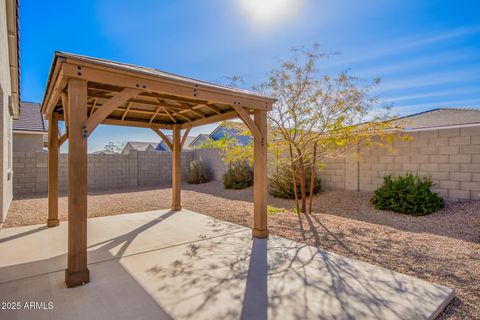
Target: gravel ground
(443,248)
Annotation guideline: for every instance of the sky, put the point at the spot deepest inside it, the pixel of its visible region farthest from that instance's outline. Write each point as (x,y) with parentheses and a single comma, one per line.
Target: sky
(427,53)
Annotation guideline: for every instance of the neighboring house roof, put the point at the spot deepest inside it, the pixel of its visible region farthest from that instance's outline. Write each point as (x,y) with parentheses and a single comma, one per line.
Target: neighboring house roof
(235,125)
(440,117)
(104,152)
(141,146)
(30,118)
(231,129)
(198,140)
(187,146)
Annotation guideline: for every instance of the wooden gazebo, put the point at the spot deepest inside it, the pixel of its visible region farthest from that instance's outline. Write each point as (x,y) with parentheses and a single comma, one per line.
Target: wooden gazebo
(85,92)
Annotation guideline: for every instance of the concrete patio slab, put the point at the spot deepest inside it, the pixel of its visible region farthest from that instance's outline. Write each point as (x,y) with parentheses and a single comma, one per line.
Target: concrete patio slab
(184,265)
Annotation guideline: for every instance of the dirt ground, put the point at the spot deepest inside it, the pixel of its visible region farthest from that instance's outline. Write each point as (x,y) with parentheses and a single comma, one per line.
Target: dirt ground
(443,248)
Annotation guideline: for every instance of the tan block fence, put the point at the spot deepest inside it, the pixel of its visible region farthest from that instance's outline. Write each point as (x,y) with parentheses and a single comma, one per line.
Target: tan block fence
(108,171)
(451,157)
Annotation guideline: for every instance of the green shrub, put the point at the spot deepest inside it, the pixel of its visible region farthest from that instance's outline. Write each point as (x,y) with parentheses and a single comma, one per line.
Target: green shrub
(197,173)
(238,176)
(281,184)
(407,194)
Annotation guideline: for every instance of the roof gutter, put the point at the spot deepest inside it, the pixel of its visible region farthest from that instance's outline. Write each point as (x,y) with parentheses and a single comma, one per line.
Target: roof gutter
(14,55)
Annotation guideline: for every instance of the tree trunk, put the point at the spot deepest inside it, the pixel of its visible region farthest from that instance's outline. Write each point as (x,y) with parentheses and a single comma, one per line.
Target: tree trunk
(294,178)
(303,187)
(312,177)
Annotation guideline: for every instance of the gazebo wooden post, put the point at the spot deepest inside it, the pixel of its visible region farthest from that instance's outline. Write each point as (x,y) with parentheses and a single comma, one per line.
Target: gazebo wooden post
(77,272)
(52,220)
(176,169)
(260,195)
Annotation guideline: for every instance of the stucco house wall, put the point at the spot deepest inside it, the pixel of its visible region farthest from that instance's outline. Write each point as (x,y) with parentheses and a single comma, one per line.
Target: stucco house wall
(7,54)
(27,142)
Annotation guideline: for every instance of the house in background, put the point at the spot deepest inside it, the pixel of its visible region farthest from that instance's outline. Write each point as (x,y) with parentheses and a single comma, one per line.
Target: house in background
(440,118)
(162,146)
(138,146)
(198,140)
(30,131)
(9,96)
(232,129)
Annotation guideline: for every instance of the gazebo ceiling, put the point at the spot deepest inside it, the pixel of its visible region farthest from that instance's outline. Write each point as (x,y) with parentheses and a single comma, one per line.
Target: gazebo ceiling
(145,97)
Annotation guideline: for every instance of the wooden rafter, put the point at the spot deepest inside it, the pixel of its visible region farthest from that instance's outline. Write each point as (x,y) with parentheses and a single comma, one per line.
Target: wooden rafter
(94,104)
(216,118)
(215,109)
(182,116)
(201,115)
(163,136)
(243,114)
(193,110)
(154,114)
(129,105)
(108,107)
(170,115)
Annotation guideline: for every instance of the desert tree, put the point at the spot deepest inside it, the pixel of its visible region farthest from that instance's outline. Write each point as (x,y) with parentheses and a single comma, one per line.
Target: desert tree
(334,114)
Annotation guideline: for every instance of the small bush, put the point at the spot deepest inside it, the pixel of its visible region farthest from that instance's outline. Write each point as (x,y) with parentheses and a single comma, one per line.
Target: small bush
(281,184)
(407,194)
(274,210)
(197,173)
(238,176)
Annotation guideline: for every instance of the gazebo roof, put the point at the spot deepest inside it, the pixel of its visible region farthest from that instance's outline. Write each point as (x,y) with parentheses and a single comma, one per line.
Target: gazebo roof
(145,97)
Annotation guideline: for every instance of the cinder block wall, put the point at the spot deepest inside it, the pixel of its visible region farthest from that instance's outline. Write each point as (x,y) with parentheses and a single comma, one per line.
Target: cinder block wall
(451,157)
(213,162)
(105,171)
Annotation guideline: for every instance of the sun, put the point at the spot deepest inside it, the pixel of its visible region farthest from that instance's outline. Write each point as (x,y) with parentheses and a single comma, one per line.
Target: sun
(269,12)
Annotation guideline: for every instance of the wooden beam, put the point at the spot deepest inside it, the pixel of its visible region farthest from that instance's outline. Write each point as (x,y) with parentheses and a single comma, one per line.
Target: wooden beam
(129,105)
(54,95)
(164,137)
(197,112)
(52,220)
(212,119)
(94,104)
(170,115)
(62,139)
(176,169)
(154,114)
(184,138)
(243,114)
(161,84)
(108,107)
(260,195)
(65,110)
(182,116)
(77,272)
(215,109)
(133,110)
(133,123)
(192,109)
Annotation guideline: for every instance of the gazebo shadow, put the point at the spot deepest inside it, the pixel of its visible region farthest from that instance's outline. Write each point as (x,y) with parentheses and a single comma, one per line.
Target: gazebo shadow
(108,275)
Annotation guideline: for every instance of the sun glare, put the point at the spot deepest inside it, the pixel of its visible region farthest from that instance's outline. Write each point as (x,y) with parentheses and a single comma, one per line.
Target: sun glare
(269,12)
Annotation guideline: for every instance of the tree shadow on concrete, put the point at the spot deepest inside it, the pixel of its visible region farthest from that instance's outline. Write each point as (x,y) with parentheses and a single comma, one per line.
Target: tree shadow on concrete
(230,278)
